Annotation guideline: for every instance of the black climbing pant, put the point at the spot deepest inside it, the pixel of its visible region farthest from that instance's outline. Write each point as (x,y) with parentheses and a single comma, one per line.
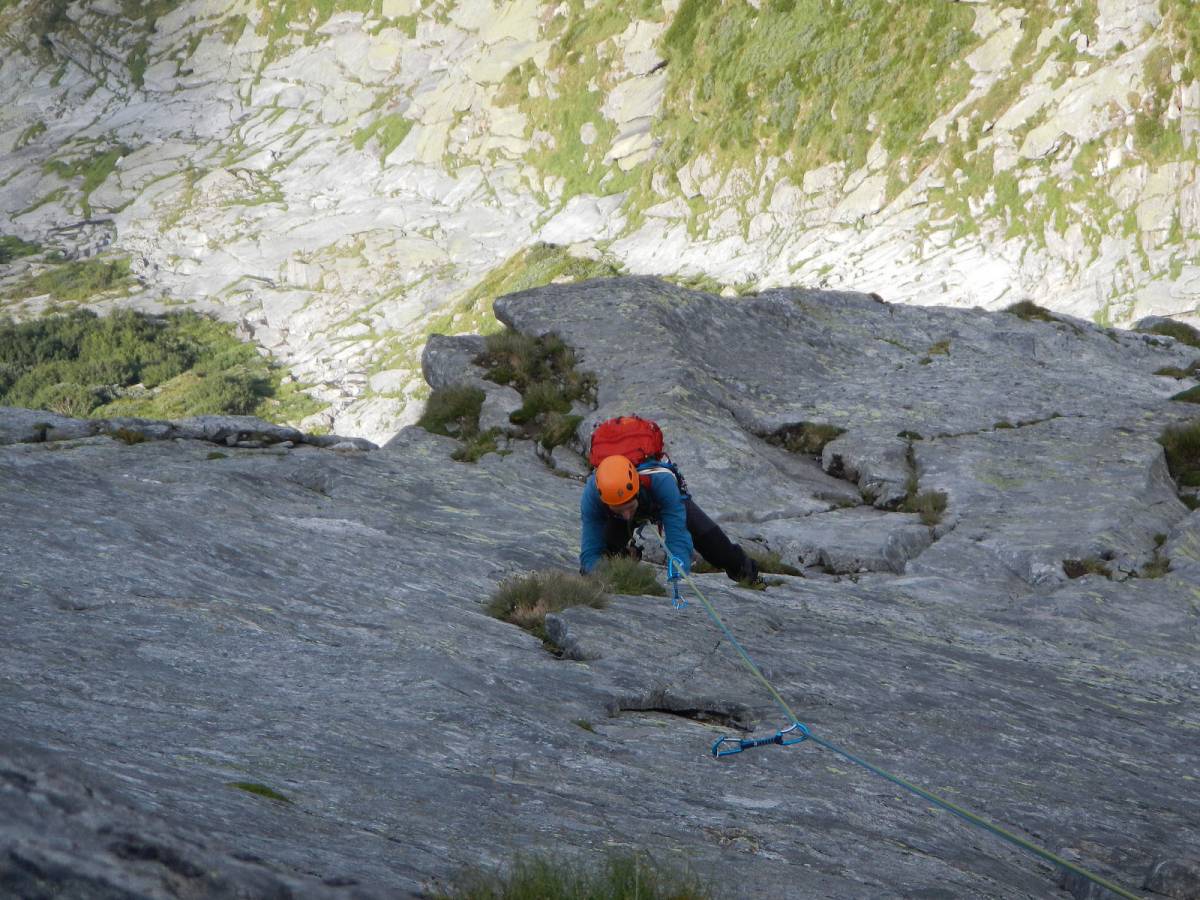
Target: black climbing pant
(707,537)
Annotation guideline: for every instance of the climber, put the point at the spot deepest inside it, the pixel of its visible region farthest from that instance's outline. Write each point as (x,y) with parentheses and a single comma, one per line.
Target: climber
(636,483)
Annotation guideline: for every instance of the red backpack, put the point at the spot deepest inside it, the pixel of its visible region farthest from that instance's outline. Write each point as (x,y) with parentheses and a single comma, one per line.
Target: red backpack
(633,437)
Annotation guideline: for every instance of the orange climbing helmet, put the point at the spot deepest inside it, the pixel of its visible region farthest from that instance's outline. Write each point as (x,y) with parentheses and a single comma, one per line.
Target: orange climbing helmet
(616,480)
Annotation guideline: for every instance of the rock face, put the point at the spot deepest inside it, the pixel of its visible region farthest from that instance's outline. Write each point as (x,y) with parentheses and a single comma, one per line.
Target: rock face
(338,183)
(309,622)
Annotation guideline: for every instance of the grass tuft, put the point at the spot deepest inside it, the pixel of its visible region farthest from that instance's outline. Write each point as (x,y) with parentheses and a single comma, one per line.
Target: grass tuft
(1185,334)
(626,575)
(524,600)
(619,877)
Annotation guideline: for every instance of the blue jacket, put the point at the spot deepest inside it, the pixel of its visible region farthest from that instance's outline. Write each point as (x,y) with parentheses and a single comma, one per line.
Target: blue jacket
(660,503)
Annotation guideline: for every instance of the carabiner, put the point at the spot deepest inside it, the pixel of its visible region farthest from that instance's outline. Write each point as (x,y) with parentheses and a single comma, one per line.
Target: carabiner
(746,743)
(674,570)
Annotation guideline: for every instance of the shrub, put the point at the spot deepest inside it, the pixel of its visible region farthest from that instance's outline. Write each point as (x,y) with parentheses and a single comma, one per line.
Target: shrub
(1030,312)
(525,600)
(66,399)
(619,877)
(1185,334)
(14,248)
(76,281)
(626,575)
(132,364)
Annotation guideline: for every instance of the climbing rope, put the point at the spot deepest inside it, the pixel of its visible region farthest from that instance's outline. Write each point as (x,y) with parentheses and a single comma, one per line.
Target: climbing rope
(802,732)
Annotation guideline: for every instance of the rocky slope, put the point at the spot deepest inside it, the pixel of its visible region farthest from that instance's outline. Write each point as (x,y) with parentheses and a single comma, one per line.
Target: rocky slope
(346,177)
(179,618)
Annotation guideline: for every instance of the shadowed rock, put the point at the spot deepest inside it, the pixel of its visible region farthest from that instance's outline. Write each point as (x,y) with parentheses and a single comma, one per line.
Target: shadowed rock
(312,621)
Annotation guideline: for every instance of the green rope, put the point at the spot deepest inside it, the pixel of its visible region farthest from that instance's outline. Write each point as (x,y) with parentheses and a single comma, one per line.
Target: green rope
(953,808)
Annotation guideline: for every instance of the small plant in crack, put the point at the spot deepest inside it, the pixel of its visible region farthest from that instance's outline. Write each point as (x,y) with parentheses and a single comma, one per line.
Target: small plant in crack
(930,506)
(1091,565)
(807,438)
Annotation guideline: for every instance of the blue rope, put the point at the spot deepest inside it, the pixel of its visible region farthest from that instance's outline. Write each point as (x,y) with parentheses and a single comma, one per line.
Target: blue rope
(806,734)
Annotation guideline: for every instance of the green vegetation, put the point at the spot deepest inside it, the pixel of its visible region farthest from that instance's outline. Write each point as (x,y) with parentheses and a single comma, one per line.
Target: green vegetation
(281,21)
(1191,395)
(1181,443)
(769,562)
(1030,312)
(626,575)
(736,72)
(14,248)
(389,130)
(1178,373)
(454,411)
(929,505)
(93,170)
(1183,333)
(524,600)
(260,790)
(543,370)
(30,134)
(1077,568)
(586,725)
(76,281)
(808,438)
(619,877)
(132,364)
(531,267)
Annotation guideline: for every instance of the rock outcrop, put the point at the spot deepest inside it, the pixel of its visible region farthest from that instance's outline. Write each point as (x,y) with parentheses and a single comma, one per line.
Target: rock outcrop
(333,179)
(271,669)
